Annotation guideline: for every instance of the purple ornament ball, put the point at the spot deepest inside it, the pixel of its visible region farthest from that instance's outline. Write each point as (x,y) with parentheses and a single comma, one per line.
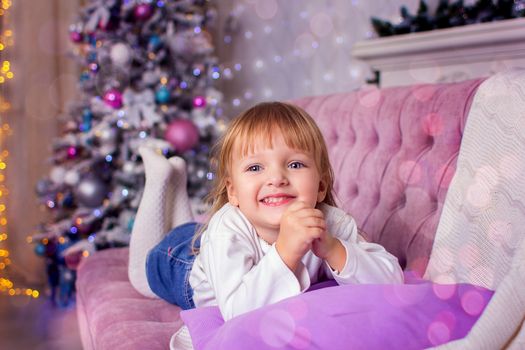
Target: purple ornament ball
(113,98)
(93,67)
(107,25)
(143,12)
(76,37)
(182,134)
(199,102)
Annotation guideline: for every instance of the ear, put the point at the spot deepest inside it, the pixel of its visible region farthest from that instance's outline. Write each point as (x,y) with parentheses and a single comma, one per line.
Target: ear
(321,193)
(232,194)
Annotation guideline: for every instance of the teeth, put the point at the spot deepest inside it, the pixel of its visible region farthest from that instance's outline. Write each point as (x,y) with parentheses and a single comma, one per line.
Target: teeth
(270,200)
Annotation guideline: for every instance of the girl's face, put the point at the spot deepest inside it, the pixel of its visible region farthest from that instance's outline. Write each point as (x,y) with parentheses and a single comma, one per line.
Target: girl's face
(263,183)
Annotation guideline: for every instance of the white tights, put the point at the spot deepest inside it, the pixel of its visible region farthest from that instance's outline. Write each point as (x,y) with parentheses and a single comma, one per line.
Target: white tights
(164,205)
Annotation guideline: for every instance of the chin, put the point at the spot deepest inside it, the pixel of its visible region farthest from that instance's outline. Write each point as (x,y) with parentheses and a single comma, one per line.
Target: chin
(272,222)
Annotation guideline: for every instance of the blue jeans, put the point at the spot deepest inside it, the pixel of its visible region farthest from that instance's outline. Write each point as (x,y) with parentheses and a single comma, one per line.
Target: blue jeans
(169,264)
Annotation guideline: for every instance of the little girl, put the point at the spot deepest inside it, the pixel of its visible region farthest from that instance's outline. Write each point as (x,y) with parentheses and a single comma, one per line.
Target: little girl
(273,231)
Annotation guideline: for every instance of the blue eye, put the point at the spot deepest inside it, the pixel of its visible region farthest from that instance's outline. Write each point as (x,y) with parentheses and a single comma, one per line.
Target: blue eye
(296,165)
(254,168)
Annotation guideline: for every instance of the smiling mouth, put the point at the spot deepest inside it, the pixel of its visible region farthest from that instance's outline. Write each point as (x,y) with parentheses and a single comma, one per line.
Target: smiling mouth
(276,200)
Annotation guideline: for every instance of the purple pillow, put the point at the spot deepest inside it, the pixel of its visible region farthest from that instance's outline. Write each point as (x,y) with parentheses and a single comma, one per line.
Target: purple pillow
(366,316)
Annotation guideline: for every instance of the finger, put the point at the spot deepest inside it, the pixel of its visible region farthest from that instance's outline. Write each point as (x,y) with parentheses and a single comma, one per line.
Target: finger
(314,222)
(309,212)
(314,233)
(296,206)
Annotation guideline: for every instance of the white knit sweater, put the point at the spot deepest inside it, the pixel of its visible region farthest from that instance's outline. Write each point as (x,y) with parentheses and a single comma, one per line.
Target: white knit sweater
(480,236)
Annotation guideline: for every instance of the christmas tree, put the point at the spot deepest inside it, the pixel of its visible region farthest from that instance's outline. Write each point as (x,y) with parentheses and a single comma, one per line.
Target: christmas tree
(147,79)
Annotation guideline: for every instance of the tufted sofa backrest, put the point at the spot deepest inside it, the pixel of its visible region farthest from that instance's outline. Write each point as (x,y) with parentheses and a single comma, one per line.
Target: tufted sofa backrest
(394,152)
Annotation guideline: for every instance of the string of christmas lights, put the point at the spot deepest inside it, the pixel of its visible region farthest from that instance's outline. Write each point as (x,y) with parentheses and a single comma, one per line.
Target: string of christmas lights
(7,286)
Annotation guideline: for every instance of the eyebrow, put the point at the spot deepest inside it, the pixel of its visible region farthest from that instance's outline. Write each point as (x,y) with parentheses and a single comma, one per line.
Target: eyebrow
(244,161)
(251,157)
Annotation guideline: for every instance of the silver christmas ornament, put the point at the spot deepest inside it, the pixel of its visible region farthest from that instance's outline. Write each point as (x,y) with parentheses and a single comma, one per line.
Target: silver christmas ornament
(72,177)
(91,192)
(58,174)
(120,54)
(108,138)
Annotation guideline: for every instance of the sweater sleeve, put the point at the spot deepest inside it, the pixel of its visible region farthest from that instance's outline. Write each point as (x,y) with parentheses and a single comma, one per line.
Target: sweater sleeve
(365,262)
(243,282)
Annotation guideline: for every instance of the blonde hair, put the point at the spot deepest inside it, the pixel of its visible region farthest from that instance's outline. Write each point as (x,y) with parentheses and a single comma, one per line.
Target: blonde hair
(299,131)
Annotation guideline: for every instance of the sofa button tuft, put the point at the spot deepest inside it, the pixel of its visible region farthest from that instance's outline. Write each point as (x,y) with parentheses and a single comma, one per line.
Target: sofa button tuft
(430,141)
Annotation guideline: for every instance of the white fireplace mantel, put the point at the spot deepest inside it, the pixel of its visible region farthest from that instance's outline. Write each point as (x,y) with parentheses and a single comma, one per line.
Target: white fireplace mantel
(445,55)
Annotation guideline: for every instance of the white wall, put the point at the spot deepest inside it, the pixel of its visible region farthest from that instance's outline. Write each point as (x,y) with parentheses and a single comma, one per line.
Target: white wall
(292,48)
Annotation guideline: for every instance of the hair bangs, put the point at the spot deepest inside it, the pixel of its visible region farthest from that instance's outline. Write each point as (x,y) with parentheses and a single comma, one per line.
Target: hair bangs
(259,129)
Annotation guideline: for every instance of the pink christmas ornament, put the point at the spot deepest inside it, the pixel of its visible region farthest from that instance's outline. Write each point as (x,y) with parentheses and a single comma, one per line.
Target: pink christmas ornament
(182,134)
(72,260)
(107,25)
(71,152)
(76,37)
(113,98)
(199,102)
(143,12)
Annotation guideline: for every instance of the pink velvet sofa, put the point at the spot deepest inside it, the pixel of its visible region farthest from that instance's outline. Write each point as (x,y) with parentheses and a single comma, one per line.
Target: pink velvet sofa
(394,153)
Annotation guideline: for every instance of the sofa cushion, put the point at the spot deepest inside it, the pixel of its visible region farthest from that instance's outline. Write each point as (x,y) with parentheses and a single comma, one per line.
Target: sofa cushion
(394,152)
(365,316)
(112,314)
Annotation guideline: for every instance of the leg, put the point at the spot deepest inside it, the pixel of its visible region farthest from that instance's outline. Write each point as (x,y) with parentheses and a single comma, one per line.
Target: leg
(181,209)
(153,219)
(168,266)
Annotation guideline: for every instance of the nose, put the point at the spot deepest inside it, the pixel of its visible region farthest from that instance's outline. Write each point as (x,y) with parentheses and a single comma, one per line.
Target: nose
(277,177)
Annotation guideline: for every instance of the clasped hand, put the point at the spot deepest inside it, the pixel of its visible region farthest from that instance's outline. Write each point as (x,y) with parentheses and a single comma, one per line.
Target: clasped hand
(302,229)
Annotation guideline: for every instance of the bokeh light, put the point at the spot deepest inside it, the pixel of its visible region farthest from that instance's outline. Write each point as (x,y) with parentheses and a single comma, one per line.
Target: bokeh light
(438,333)
(369,96)
(7,286)
(266,9)
(321,25)
(277,328)
(444,291)
(472,302)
